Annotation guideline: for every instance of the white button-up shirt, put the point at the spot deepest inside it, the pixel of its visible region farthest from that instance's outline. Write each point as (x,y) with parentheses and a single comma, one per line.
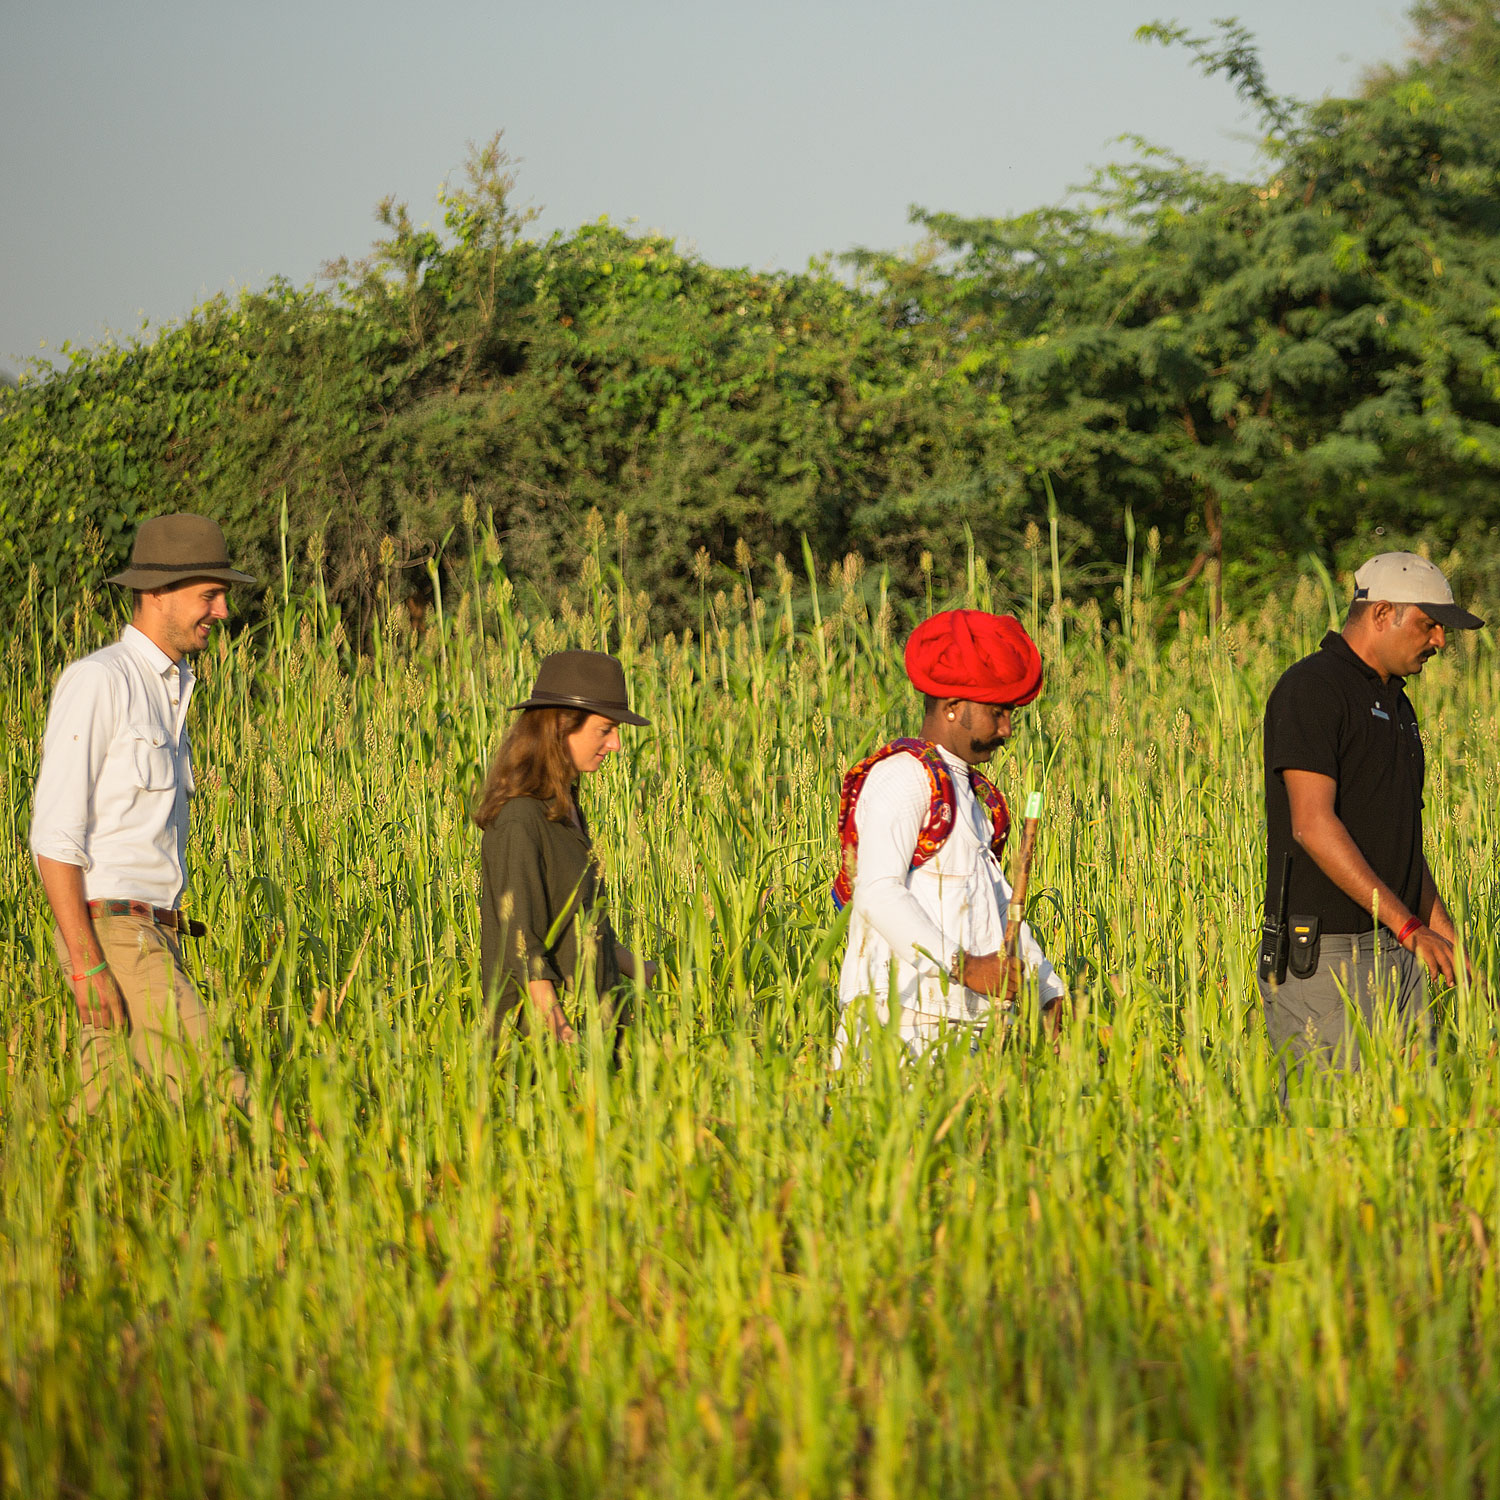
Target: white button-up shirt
(117,773)
(906,924)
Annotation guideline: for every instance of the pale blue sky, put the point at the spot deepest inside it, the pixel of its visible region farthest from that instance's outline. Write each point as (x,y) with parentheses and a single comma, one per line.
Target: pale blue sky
(151,154)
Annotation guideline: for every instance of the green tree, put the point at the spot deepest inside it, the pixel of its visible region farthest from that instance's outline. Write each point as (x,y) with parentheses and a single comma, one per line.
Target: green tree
(1257,369)
(468,370)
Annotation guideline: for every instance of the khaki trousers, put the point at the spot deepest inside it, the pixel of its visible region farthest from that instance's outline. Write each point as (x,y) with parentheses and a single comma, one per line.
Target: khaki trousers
(169,1034)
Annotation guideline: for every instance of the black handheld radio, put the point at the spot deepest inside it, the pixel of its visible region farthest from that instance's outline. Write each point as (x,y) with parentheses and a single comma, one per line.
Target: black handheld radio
(1273,931)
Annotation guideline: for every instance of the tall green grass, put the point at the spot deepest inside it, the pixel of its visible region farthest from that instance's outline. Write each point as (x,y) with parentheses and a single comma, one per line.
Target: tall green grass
(1114,1269)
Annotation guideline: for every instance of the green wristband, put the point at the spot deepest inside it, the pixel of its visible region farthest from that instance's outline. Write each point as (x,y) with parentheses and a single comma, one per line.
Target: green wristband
(97,969)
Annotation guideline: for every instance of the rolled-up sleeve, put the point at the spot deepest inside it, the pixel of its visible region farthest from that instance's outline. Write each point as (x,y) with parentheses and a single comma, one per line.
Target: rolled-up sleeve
(77,739)
(516,890)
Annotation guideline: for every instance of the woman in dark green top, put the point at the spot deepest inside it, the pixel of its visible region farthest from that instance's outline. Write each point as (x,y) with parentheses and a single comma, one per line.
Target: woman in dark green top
(540,877)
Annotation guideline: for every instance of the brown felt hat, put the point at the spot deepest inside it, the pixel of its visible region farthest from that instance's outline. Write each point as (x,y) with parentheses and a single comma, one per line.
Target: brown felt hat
(174,549)
(583,679)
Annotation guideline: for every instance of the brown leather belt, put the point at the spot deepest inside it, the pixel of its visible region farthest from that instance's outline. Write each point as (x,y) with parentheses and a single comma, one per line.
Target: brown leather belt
(163,916)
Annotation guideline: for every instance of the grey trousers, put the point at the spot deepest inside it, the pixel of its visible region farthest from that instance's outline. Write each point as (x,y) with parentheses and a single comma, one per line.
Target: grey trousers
(1310,1022)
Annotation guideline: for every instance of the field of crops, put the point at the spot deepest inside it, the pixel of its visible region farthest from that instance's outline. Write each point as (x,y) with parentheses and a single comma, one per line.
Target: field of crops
(1113,1269)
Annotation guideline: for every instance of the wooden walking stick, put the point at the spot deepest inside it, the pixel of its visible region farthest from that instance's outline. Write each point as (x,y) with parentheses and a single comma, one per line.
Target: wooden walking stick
(1017,908)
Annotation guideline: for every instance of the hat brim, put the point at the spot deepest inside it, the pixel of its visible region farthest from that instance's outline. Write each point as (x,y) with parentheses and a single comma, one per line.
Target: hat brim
(161,578)
(1451,617)
(616,711)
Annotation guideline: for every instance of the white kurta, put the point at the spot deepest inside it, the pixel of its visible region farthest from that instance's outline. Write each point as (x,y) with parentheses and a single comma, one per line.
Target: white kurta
(906,924)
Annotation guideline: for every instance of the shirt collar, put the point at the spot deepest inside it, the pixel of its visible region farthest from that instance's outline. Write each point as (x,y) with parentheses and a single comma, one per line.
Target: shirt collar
(957,762)
(1335,644)
(152,654)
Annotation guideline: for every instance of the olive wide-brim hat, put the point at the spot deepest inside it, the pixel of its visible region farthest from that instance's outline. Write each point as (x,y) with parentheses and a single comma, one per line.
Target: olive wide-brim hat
(583,679)
(175,549)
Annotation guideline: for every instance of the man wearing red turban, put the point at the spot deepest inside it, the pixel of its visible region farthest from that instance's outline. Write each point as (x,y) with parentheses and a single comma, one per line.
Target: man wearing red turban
(922,832)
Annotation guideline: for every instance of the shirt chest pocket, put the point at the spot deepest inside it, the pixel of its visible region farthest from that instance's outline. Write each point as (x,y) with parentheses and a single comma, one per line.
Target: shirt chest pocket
(152,759)
(956,861)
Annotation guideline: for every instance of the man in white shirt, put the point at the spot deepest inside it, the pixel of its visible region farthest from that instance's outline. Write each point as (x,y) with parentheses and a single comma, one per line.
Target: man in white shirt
(109,826)
(923,832)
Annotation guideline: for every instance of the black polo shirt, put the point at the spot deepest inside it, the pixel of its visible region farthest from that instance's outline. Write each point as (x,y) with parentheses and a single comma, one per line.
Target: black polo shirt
(1332,714)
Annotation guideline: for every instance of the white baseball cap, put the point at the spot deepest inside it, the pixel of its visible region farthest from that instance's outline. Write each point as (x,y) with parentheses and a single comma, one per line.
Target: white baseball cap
(1405,578)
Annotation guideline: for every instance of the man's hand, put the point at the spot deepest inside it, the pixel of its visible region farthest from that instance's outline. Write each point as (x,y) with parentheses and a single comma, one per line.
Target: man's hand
(1052,1021)
(991,974)
(557,1024)
(97,996)
(1439,921)
(549,1011)
(630,965)
(1435,952)
(99,1000)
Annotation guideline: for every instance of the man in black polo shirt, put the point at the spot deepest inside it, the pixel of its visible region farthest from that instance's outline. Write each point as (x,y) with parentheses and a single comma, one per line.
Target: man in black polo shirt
(1344,773)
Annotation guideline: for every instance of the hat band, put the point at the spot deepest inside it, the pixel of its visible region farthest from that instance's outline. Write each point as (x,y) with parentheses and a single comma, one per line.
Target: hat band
(556,700)
(178,567)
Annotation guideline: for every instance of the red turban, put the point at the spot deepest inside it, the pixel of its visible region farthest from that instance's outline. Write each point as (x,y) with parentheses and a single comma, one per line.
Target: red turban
(983,658)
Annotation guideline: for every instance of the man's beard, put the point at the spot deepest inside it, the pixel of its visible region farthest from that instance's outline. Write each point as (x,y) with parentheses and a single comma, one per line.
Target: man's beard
(988,747)
(186,642)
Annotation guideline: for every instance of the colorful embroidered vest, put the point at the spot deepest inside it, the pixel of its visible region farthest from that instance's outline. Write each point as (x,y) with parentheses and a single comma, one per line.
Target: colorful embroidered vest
(935,827)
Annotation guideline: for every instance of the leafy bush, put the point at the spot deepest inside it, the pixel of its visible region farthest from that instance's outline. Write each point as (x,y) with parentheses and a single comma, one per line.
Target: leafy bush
(1252,371)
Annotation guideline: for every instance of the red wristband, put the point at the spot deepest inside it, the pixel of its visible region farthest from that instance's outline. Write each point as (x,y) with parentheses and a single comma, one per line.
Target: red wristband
(1413,924)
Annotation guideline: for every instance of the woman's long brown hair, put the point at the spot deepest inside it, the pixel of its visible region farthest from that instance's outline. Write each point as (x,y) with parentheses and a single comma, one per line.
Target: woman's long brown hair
(534,761)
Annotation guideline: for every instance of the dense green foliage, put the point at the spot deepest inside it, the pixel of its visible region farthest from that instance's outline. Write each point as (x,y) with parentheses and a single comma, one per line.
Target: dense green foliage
(1270,368)
(723,1268)
(597,369)
(1304,363)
